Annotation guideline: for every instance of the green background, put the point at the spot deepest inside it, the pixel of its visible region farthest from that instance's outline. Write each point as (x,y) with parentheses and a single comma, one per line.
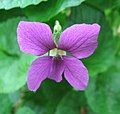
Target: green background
(103,93)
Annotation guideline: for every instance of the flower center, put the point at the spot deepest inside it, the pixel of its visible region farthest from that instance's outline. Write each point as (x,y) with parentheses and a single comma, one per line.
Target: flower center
(57,52)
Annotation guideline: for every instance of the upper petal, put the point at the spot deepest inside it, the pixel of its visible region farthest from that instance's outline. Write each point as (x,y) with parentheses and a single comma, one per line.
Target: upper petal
(34,37)
(75,73)
(80,39)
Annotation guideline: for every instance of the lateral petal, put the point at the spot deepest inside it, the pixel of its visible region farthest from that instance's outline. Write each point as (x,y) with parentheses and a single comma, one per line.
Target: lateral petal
(39,70)
(75,73)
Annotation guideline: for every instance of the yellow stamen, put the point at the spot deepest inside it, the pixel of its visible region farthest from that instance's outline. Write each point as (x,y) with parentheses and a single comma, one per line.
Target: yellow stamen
(61,52)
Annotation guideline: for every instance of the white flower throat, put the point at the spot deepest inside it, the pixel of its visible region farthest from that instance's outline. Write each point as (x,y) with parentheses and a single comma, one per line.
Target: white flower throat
(57,52)
(56,34)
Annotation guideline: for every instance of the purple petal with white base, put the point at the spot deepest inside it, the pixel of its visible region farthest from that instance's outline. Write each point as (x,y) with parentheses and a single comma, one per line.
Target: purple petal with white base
(34,37)
(57,69)
(42,68)
(75,73)
(38,72)
(80,39)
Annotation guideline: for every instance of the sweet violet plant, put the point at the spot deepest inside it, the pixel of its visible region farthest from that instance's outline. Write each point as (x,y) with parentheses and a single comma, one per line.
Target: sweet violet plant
(64,51)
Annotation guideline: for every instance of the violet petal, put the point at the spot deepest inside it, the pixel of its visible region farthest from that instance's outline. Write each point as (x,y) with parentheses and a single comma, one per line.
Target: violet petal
(42,68)
(75,73)
(80,39)
(34,37)
(39,70)
(57,69)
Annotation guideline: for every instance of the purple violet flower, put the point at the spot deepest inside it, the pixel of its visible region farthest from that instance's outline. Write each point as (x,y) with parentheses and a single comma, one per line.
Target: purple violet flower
(74,43)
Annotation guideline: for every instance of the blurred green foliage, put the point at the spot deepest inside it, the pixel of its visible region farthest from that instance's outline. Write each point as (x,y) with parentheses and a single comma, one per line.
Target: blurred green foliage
(103,93)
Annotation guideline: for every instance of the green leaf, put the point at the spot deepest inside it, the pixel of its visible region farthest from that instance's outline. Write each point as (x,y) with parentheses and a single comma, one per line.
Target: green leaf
(72,103)
(99,61)
(8,39)
(54,92)
(5,104)
(7,14)
(25,110)
(13,64)
(13,72)
(117,61)
(47,10)
(87,14)
(16,97)
(46,99)
(102,4)
(8,4)
(103,93)
(113,16)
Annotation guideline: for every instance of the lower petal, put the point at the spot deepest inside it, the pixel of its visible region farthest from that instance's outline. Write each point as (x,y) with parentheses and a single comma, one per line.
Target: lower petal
(42,68)
(57,69)
(39,70)
(75,73)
